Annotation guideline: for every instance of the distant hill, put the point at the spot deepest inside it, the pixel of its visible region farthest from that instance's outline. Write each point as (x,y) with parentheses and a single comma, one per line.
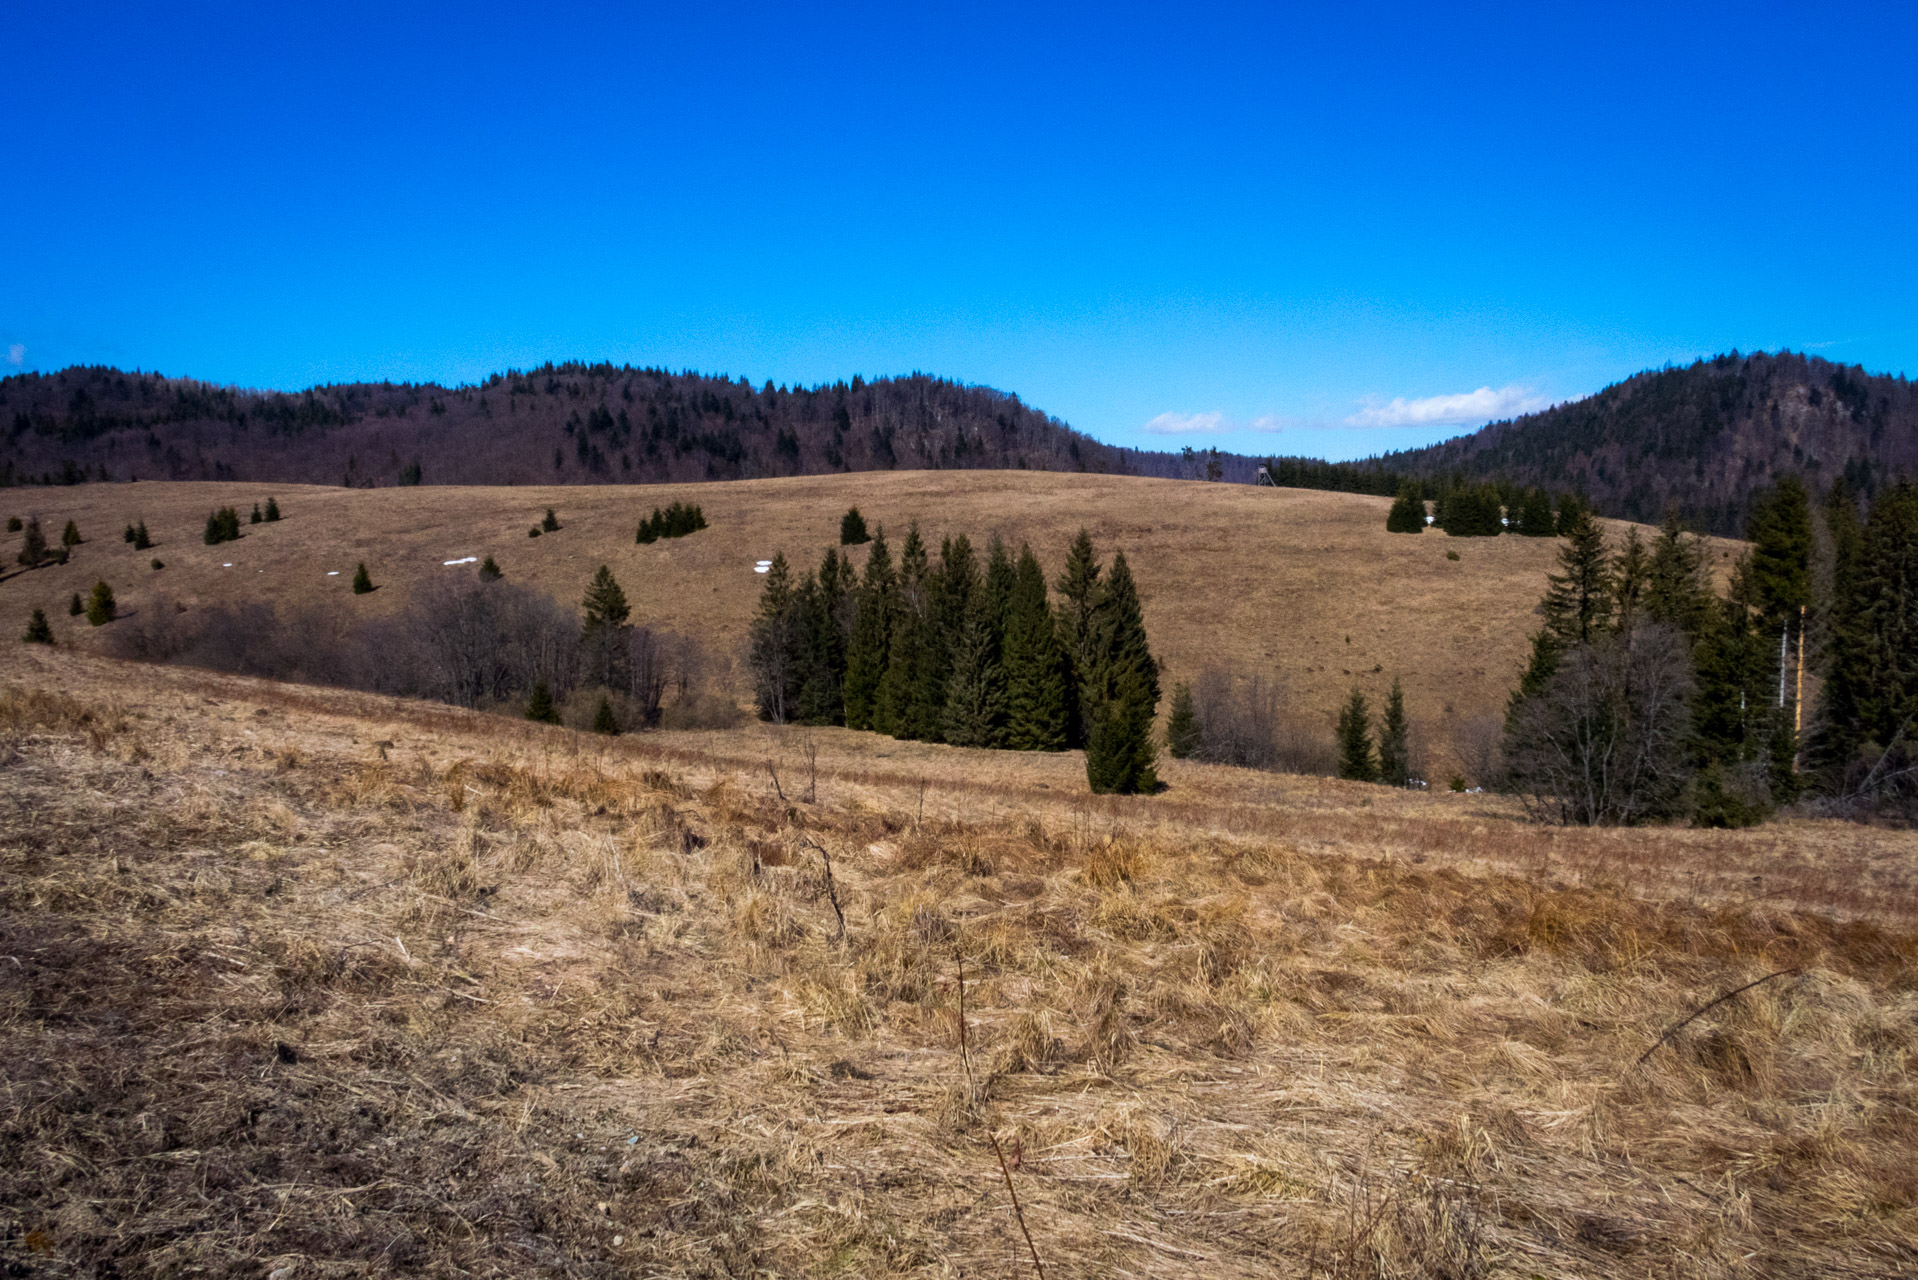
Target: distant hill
(1703,437)
(560,424)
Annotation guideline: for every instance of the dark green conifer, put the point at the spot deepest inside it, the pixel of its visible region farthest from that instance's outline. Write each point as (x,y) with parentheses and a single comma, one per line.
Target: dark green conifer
(604,721)
(852,529)
(1677,592)
(549,523)
(1037,698)
(539,707)
(893,711)
(100,605)
(128,535)
(256,517)
(362,580)
(70,536)
(774,650)
(871,636)
(76,606)
(1356,759)
(141,540)
(38,630)
(1631,577)
(489,570)
(975,709)
(33,544)
(1182,739)
(1395,753)
(603,631)
(1119,690)
(1408,510)
(1079,595)
(272,510)
(605,604)
(1535,519)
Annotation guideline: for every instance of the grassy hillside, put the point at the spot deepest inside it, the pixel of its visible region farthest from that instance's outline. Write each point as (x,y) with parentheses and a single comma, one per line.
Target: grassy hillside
(1303,587)
(308,983)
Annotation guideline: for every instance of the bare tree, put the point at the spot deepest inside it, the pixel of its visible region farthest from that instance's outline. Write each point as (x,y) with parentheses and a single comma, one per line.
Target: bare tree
(1604,741)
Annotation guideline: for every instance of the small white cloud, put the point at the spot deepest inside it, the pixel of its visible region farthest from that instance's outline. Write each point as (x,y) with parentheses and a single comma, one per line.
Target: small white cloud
(1182,424)
(1270,423)
(1483,405)
(17,354)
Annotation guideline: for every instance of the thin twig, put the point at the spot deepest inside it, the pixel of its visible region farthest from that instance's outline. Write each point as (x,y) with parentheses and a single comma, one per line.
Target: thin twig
(1701,1011)
(832,890)
(774,775)
(1005,1170)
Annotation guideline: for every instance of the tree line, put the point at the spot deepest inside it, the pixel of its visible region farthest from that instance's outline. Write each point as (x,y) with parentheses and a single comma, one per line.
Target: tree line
(1649,695)
(952,650)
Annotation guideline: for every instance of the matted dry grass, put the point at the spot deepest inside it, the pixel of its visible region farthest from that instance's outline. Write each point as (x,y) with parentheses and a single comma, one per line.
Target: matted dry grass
(1302,587)
(313,983)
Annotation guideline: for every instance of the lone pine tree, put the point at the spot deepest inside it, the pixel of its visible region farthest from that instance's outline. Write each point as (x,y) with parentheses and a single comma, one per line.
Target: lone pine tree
(852,529)
(1408,510)
(70,536)
(38,630)
(100,605)
(362,580)
(489,570)
(33,544)
(539,707)
(1356,759)
(1395,756)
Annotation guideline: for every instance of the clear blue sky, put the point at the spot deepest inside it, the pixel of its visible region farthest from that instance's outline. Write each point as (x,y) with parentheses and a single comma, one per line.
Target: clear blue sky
(1325,229)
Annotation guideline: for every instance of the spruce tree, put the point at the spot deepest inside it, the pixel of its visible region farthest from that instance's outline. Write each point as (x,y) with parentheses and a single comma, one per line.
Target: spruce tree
(272,510)
(1182,738)
(362,580)
(975,708)
(950,589)
(774,649)
(539,707)
(1408,510)
(489,570)
(128,535)
(1356,759)
(141,540)
(257,517)
(1395,756)
(605,604)
(1677,590)
(100,605)
(1037,698)
(1845,657)
(75,606)
(1886,586)
(893,705)
(70,536)
(604,721)
(38,630)
(1572,510)
(1079,595)
(871,636)
(852,529)
(1119,690)
(1631,574)
(1535,519)
(821,654)
(602,636)
(33,544)
(999,580)
(1578,599)
(1779,529)
(549,523)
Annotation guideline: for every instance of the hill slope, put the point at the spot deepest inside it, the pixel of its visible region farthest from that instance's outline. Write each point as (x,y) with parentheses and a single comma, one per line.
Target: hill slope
(1703,437)
(1303,588)
(561,424)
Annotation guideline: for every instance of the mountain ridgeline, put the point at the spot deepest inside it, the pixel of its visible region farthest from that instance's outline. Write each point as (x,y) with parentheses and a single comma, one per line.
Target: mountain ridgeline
(1705,438)
(566,424)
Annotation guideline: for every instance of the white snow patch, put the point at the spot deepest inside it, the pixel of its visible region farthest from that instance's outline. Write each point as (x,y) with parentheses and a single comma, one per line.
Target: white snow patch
(467,560)
(332,573)
(227,565)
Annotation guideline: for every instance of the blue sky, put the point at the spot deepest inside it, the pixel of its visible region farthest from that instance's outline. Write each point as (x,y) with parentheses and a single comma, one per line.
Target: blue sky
(1329,229)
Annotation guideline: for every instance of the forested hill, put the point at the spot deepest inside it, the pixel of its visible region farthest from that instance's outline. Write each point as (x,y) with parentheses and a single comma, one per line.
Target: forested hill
(1706,437)
(571,423)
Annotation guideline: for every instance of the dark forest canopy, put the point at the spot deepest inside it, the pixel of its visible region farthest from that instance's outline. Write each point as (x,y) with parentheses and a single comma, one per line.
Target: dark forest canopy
(1702,438)
(564,424)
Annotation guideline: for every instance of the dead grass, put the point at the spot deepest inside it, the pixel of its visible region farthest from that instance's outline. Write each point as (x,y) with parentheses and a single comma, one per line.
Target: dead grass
(1259,581)
(454,995)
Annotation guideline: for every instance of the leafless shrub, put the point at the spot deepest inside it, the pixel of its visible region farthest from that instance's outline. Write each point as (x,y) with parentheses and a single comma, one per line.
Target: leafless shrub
(1243,720)
(1604,741)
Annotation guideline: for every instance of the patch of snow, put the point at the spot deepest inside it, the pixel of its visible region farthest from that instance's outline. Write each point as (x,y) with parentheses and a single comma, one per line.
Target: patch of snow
(227,565)
(332,573)
(467,560)
(762,568)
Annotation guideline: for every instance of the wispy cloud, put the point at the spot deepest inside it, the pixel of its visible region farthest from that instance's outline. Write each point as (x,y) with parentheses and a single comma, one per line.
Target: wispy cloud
(17,354)
(1185,424)
(1464,407)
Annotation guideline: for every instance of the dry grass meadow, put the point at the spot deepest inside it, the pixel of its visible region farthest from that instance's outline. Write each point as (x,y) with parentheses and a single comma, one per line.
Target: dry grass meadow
(300,983)
(1303,587)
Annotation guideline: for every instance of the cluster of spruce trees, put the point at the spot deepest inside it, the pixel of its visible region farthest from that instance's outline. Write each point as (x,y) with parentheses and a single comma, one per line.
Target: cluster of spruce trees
(1668,698)
(676,521)
(1484,510)
(952,651)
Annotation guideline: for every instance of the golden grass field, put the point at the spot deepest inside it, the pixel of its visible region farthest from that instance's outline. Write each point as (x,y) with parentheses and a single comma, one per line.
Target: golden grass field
(1299,586)
(299,982)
